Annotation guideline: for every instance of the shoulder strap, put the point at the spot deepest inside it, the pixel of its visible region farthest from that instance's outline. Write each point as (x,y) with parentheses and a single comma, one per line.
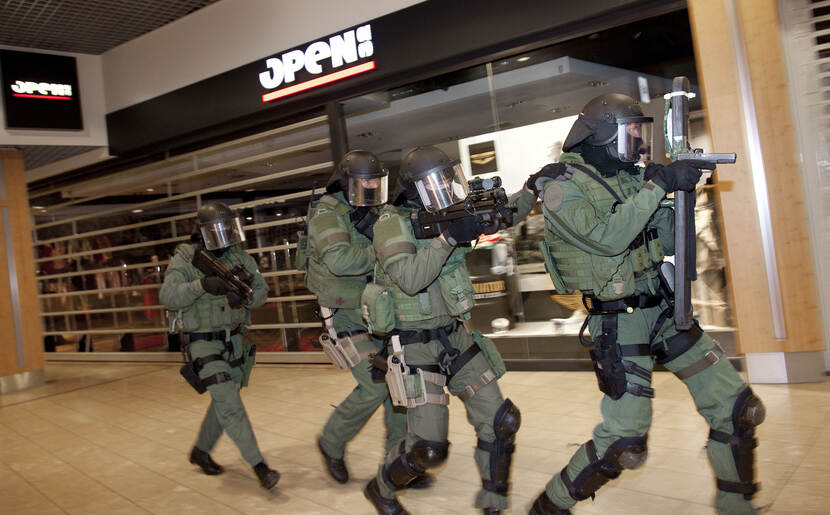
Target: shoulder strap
(587,171)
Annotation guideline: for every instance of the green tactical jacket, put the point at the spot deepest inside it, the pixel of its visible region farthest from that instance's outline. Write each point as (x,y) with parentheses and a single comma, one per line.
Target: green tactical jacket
(589,236)
(428,278)
(200,311)
(340,258)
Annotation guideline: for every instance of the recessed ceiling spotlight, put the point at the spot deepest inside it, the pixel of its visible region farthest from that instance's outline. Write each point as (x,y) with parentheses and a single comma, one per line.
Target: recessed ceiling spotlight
(150,189)
(523,58)
(138,210)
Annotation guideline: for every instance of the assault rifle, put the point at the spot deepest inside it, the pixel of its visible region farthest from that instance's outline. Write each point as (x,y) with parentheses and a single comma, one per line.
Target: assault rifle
(235,280)
(486,201)
(678,148)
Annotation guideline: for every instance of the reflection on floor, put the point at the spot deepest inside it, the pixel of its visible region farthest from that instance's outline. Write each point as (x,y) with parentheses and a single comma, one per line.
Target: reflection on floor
(114,438)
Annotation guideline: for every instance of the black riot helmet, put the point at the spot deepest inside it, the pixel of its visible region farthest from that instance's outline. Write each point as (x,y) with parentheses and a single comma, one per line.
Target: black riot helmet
(366,177)
(361,175)
(219,225)
(428,173)
(615,122)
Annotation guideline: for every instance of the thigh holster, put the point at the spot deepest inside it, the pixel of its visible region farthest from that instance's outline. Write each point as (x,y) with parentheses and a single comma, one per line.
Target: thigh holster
(610,367)
(408,466)
(747,413)
(506,423)
(626,453)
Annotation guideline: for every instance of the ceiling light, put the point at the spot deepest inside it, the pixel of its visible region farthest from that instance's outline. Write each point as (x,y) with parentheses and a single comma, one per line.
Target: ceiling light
(150,189)
(249,218)
(138,210)
(523,58)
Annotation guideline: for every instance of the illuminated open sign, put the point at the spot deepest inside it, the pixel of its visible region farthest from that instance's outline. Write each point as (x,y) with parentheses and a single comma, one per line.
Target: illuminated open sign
(40,91)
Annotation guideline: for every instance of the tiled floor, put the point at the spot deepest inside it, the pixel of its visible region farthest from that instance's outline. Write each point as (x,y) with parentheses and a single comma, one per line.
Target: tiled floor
(114,438)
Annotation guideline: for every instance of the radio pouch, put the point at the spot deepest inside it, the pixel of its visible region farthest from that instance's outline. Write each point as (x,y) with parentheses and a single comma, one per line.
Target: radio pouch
(378,309)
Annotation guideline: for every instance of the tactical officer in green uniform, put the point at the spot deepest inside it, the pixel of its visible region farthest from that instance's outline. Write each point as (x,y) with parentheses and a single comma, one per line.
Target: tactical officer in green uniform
(420,297)
(340,261)
(214,317)
(606,236)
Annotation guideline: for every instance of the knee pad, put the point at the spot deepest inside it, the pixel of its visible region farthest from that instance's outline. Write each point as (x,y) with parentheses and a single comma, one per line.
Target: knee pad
(506,423)
(747,413)
(427,454)
(625,453)
(408,466)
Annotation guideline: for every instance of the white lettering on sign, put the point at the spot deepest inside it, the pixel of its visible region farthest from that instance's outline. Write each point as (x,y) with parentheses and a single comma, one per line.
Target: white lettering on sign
(41,89)
(341,49)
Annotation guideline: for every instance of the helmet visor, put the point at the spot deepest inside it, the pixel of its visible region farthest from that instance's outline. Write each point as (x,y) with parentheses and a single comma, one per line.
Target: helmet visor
(221,234)
(634,139)
(371,191)
(442,187)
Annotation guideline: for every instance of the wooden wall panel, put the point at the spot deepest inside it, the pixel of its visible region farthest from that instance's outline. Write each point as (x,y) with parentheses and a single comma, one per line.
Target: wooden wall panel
(20,225)
(717,69)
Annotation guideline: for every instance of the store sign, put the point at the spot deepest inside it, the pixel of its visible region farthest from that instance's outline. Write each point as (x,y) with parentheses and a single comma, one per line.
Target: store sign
(320,63)
(40,91)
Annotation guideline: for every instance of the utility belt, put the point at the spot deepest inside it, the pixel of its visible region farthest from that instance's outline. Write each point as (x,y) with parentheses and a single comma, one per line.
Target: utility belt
(191,369)
(340,346)
(626,305)
(222,335)
(608,355)
(407,383)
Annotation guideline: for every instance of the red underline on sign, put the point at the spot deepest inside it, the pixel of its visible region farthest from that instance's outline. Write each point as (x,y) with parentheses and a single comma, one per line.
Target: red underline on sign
(319,81)
(47,97)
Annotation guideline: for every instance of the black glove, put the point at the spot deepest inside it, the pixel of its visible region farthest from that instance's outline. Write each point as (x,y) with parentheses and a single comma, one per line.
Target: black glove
(549,172)
(463,230)
(214,285)
(234,300)
(679,175)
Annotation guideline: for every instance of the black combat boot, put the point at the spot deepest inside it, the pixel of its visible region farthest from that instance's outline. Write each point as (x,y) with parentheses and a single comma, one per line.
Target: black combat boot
(491,511)
(336,466)
(422,482)
(383,505)
(544,506)
(203,459)
(268,477)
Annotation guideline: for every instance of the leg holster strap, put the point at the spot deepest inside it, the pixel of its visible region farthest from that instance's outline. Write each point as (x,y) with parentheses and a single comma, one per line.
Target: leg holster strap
(221,377)
(484,379)
(709,359)
(462,359)
(676,345)
(199,363)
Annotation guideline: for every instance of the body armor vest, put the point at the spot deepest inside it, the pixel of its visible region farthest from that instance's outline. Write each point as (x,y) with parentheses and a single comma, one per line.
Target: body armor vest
(606,277)
(333,291)
(212,312)
(451,294)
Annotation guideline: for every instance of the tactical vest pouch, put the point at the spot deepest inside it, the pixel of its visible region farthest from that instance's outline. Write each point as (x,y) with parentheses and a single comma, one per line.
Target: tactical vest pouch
(550,266)
(302,250)
(378,308)
(248,363)
(457,291)
(488,348)
(613,276)
(189,373)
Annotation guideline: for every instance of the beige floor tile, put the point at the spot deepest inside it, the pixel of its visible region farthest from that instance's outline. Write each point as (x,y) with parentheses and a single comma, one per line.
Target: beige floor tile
(114,439)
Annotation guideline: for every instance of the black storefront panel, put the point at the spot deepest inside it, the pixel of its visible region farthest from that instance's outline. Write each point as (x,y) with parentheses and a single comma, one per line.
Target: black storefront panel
(423,40)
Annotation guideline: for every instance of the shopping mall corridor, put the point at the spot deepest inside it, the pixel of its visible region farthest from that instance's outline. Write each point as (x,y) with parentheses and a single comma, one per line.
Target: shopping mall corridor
(114,438)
